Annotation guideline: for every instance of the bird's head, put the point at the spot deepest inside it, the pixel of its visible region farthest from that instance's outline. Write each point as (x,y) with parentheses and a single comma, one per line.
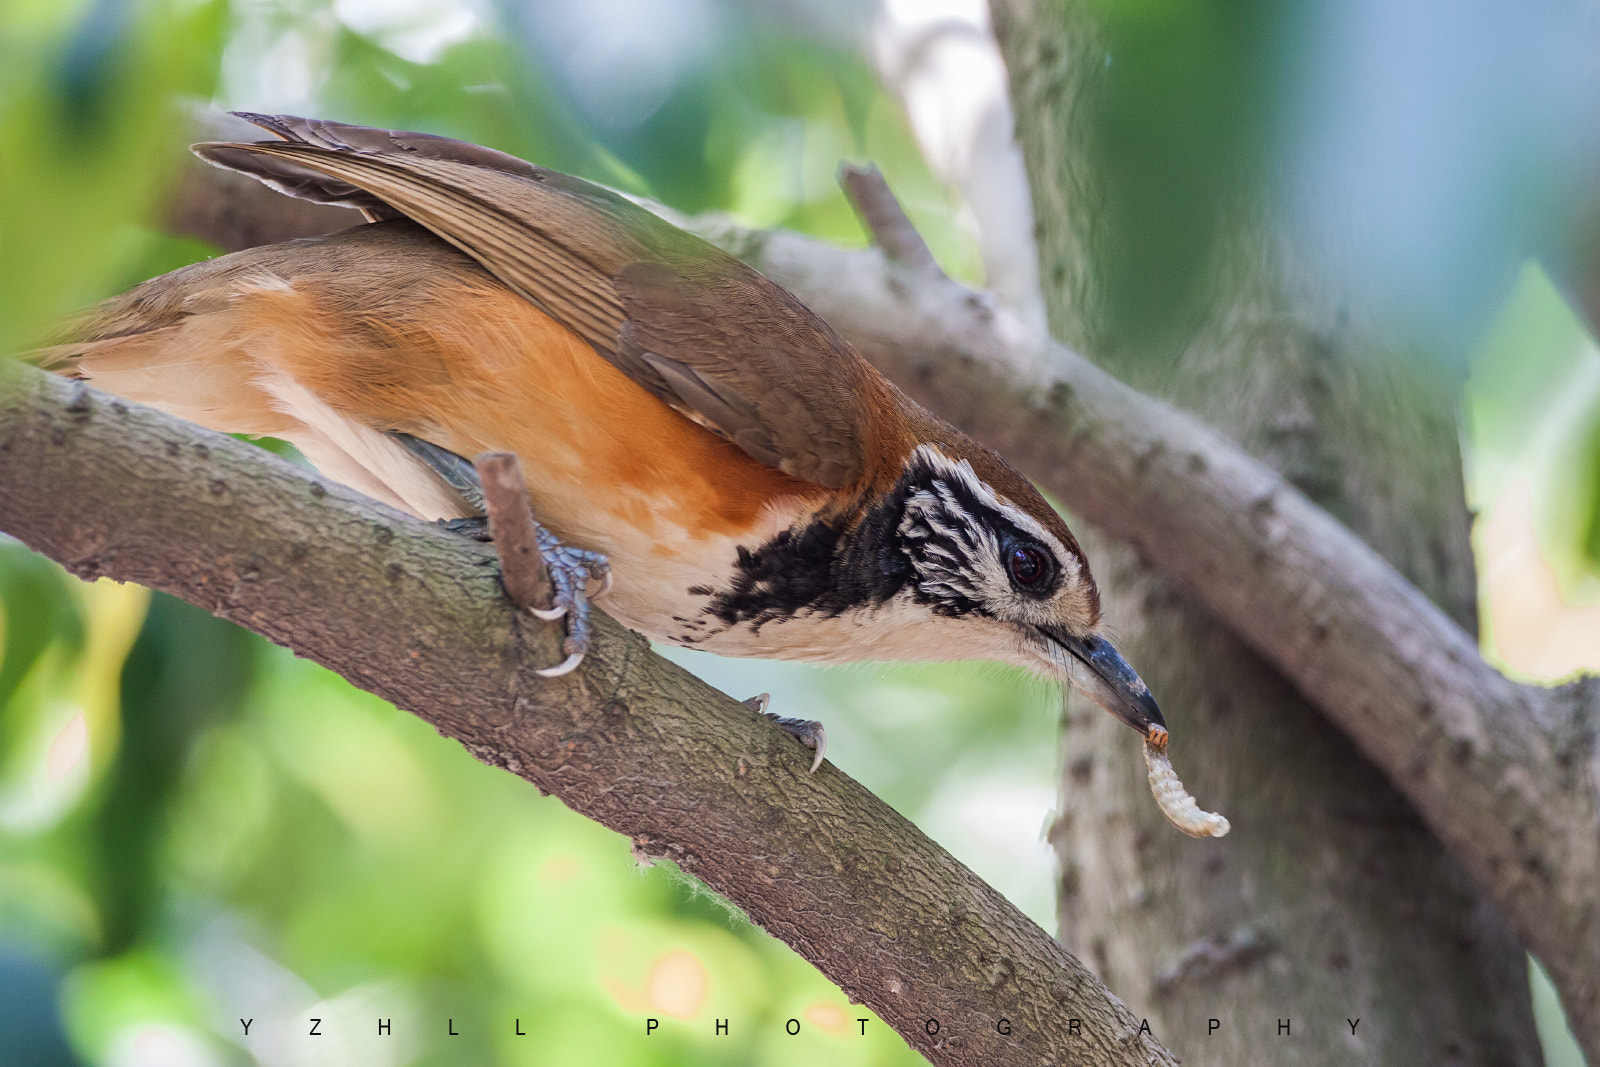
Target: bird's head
(986,551)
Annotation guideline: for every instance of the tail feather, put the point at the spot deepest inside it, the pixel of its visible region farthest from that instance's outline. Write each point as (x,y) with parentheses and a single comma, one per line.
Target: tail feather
(68,359)
(277,342)
(183,370)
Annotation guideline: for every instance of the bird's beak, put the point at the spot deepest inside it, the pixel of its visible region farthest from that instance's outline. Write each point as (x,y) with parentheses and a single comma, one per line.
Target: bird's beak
(1098,670)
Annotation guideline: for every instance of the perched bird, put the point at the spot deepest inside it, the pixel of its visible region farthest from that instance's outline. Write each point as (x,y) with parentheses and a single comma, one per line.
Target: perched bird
(755,486)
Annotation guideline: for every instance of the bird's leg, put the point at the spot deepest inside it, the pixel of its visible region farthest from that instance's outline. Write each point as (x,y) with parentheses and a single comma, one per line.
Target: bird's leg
(808,732)
(475,527)
(455,471)
(570,569)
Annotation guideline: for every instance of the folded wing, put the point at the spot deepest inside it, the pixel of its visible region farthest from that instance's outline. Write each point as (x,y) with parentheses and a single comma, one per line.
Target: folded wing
(714,339)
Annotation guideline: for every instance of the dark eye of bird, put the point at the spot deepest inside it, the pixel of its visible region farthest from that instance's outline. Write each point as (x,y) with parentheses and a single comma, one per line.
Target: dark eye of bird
(1028,565)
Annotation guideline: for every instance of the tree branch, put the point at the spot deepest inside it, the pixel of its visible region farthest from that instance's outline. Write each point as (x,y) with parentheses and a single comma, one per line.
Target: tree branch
(416,615)
(880,212)
(1507,775)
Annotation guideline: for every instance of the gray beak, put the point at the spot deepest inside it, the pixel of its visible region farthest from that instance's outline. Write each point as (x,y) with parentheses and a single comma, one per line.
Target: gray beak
(1111,683)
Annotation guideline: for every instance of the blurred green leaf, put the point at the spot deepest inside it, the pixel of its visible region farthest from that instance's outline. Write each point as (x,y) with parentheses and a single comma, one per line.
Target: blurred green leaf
(105,998)
(186,671)
(1532,407)
(1588,465)
(37,611)
(88,105)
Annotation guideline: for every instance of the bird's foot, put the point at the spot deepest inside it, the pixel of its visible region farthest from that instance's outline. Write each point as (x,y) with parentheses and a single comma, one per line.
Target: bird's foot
(571,571)
(808,732)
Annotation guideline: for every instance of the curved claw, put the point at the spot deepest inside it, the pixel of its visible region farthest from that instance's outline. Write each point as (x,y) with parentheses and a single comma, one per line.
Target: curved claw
(605,586)
(566,666)
(806,731)
(822,749)
(549,614)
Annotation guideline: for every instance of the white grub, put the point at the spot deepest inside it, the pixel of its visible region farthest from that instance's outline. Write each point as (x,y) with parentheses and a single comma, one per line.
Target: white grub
(1175,802)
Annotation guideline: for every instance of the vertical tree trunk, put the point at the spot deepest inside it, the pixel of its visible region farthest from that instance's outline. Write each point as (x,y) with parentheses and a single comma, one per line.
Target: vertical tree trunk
(1330,901)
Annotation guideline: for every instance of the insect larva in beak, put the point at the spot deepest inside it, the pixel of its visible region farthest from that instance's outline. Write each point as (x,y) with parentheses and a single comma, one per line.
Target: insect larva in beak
(1175,802)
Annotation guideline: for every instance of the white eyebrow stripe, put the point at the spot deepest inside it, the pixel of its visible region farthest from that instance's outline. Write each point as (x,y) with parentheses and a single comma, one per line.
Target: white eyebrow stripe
(961,471)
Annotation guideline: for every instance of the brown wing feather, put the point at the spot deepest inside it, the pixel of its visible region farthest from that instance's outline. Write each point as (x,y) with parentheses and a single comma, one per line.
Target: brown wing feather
(711,337)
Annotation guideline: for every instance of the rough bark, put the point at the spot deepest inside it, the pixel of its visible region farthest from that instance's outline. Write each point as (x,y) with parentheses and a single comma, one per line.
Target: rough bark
(1507,775)
(417,615)
(1335,901)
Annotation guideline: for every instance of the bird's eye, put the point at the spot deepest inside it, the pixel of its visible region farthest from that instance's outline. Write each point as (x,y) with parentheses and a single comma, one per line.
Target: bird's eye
(1028,565)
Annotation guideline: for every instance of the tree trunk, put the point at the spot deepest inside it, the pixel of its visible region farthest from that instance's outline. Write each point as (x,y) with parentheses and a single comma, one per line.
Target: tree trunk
(1330,902)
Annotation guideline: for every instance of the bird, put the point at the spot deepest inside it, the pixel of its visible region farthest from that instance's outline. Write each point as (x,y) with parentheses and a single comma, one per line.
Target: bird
(736,475)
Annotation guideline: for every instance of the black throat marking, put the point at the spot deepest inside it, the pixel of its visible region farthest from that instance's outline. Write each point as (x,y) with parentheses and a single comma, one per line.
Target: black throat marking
(832,566)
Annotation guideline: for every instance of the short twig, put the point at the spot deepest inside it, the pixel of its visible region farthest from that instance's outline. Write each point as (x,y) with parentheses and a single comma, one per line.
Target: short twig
(522,567)
(886,220)
(1209,957)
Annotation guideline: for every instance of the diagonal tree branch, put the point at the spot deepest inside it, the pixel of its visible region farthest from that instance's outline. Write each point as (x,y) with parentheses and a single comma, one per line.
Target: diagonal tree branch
(1507,775)
(417,615)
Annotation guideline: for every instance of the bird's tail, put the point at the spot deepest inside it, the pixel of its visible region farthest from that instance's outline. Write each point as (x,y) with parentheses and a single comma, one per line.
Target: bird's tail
(148,347)
(287,341)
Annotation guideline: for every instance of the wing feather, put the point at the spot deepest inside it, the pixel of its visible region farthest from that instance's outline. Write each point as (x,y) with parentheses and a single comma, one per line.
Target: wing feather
(711,337)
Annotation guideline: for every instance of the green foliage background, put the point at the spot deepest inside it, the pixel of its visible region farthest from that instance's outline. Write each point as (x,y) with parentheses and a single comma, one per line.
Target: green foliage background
(197,828)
